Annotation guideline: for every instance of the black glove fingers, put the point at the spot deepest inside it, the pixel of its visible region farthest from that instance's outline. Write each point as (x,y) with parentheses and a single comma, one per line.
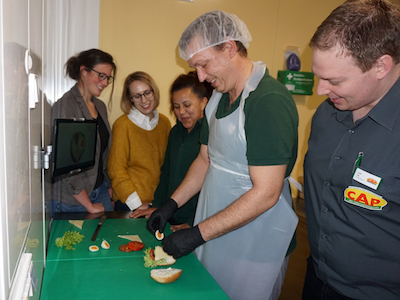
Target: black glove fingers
(159,218)
(183,242)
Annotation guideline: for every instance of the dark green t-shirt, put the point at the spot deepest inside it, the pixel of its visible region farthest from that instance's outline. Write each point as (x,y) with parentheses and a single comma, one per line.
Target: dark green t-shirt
(271,122)
(182,150)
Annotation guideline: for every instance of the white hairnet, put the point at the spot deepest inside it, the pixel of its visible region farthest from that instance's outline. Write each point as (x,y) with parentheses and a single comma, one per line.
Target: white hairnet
(211,29)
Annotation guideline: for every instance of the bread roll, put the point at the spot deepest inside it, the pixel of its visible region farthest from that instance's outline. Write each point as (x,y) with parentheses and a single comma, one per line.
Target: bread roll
(165,275)
(160,254)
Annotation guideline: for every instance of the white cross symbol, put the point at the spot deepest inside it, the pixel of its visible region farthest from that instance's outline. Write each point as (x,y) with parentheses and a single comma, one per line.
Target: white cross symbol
(289,76)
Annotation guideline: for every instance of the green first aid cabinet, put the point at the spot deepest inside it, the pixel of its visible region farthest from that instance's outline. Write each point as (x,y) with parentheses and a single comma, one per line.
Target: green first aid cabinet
(298,83)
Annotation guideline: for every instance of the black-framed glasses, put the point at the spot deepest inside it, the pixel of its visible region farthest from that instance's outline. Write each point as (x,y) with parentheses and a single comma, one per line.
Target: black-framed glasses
(103,76)
(148,94)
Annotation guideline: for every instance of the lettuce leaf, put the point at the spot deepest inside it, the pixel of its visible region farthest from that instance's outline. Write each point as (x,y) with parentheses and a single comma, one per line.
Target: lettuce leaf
(69,239)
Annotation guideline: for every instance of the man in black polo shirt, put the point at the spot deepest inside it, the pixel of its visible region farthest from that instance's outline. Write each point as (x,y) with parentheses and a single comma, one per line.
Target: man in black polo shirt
(352,167)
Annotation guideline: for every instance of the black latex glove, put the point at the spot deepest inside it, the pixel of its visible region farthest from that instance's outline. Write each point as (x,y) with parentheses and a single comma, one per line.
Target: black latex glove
(161,215)
(183,242)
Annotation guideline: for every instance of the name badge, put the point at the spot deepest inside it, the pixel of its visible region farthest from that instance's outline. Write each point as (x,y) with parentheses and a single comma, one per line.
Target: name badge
(367,179)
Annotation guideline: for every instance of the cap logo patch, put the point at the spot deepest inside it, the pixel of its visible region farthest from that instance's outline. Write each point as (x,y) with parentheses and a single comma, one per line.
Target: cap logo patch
(363,198)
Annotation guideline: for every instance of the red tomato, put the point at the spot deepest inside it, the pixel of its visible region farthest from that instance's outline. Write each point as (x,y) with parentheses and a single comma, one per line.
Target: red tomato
(135,246)
(151,253)
(125,248)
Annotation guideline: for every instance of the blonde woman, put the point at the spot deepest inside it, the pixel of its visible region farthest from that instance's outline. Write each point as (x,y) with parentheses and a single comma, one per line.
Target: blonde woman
(138,146)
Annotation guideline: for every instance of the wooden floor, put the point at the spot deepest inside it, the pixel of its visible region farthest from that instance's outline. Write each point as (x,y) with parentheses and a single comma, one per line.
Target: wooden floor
(294,280)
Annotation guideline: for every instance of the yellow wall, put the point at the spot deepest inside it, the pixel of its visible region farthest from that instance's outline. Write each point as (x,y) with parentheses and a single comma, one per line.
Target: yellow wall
(143,35)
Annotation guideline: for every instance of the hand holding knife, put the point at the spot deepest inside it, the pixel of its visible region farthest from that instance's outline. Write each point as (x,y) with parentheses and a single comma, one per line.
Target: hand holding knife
(96,232)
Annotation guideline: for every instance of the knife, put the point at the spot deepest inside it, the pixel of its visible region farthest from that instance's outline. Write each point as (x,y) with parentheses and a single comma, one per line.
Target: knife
(96,232)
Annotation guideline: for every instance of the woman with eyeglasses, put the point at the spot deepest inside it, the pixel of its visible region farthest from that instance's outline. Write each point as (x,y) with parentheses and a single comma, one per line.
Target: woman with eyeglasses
(139,142)
(188,99)
(90,190)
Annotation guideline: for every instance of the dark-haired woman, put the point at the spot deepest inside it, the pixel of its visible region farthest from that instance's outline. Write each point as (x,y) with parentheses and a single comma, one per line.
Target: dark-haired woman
(188,98)
(90,190)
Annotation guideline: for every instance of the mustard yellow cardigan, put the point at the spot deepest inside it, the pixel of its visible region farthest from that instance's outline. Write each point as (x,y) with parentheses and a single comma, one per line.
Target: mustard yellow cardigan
(135,158)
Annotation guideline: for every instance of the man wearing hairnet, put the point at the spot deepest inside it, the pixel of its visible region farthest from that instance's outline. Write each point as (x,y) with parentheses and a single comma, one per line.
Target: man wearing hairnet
(244,219)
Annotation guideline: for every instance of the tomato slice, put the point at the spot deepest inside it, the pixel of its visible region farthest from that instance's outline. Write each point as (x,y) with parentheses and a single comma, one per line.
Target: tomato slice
(151,253)
(135,245)
(125,248)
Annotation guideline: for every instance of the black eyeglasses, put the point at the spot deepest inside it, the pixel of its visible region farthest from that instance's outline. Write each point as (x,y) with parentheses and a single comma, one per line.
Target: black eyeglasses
(103,76)
(148,94)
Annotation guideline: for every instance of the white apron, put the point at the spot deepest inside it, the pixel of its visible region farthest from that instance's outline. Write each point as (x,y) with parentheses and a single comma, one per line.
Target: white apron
(246,261)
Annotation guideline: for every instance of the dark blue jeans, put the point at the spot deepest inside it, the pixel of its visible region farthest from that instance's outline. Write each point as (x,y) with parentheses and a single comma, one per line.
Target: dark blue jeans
(315,289)
(99,195)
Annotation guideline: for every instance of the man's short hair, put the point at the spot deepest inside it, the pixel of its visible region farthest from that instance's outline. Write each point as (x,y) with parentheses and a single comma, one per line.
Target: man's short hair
(363,29)
(241,49)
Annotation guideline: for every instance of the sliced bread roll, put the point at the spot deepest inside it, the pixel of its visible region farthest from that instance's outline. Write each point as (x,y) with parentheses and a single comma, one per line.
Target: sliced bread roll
(165,275)
(159,254)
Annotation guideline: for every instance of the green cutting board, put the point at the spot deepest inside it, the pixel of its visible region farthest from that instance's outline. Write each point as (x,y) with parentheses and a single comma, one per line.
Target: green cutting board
(113,274)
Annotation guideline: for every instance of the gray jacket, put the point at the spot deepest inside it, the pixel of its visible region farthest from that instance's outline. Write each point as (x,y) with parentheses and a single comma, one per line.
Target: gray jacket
(72,105)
